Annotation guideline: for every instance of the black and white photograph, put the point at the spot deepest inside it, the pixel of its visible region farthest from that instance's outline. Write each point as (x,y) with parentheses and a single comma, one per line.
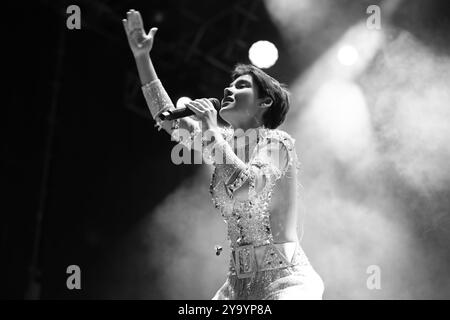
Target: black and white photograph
(246,150)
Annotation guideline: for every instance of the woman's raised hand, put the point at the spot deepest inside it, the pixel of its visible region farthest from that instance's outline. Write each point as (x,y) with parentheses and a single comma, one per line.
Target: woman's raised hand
(140,42)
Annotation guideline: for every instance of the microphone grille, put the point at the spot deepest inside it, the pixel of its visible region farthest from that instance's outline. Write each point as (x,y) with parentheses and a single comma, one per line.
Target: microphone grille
(216,103)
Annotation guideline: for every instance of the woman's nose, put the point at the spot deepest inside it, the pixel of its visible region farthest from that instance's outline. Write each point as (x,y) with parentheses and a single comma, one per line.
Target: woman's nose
(227,92)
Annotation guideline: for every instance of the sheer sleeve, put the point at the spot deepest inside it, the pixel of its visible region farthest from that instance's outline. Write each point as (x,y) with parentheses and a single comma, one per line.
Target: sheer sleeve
(185,130)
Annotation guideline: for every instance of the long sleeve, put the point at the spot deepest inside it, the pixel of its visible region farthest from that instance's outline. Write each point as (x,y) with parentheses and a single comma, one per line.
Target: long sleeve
(184,130)
(158,101)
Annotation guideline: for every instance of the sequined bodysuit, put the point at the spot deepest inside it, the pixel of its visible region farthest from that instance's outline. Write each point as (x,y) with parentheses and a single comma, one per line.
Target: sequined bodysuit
(257,269)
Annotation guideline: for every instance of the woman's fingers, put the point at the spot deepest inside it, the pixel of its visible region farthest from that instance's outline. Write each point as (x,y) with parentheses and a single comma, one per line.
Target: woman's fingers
(129,13)
(125,25)
(195,108)
(139,18)
(129,21)
(201,105)
(131,40)
(136,21)
(152,32)
(206,104)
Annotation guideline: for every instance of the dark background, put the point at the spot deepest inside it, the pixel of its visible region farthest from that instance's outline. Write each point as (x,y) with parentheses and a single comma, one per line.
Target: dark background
(79,91)
(78,143)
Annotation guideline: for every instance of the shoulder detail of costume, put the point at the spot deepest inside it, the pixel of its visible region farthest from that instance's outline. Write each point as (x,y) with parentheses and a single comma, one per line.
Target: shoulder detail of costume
(279,135)
(275,137)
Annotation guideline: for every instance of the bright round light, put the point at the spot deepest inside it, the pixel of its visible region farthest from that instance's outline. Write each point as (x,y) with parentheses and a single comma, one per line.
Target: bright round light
(263,54)
(348,55)
(182,101)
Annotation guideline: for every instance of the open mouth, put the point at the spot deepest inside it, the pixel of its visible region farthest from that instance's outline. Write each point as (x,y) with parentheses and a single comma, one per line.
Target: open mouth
(227,101)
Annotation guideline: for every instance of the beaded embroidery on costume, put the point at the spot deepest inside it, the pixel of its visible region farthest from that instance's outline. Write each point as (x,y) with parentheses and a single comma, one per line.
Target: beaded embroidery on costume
(248,221)
(248,224)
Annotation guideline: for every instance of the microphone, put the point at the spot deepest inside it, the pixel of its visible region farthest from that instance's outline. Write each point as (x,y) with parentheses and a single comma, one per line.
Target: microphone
(185,111)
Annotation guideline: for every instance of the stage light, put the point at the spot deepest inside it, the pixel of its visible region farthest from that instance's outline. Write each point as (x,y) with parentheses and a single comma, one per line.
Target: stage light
(159,17)
(348,55)
(182,101)
(263,54)
(340,114)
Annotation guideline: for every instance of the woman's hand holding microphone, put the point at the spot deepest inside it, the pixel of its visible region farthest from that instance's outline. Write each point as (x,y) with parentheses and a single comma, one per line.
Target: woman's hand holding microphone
(205,113)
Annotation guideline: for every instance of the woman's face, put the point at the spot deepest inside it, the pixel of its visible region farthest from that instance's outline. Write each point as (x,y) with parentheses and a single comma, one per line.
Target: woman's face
(240,102)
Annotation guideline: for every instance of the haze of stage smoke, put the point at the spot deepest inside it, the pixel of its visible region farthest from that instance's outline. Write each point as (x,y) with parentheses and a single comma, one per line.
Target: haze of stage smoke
(181,236)
(379,207)
(374,207)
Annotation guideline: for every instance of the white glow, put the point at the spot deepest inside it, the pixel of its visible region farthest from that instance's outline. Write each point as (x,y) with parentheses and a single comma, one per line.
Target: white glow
(263,54)
(340,115)
(348,55)
(298,18)
(182,101)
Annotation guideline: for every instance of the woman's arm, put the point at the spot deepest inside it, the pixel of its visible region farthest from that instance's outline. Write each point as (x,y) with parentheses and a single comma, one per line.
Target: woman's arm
(155,95)
(244,181)
(140,44)
(145,68)
(247,180)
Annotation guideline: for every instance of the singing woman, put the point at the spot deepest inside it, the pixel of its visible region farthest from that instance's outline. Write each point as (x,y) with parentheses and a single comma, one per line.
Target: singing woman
(254,183)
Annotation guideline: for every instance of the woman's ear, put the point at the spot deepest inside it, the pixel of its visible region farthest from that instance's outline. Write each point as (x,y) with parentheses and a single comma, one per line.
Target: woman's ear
(267,102)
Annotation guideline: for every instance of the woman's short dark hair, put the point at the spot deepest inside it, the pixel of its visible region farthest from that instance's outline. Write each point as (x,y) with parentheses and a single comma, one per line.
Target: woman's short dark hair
(267,87)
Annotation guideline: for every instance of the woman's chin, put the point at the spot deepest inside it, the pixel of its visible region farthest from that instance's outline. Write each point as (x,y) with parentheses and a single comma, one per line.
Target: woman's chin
(226,111)
(227,116)
(227,106)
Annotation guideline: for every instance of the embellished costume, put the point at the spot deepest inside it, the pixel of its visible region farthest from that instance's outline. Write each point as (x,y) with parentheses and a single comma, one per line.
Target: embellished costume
(259,268)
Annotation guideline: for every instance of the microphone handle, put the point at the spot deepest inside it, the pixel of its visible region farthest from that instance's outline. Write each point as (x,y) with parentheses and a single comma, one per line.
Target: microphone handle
(185,112)
(176,114)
